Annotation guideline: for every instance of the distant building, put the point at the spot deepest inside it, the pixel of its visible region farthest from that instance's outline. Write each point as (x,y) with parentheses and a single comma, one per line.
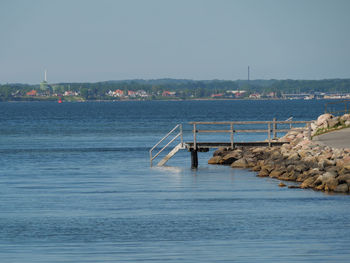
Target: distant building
(168,93)
(142,93)
(70,93)
(271,95)
(32,93)
(118,93)
(255,96)
(131,93)
(219,95)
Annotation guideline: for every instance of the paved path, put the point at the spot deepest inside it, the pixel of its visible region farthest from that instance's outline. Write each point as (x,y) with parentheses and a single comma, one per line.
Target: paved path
(335,139)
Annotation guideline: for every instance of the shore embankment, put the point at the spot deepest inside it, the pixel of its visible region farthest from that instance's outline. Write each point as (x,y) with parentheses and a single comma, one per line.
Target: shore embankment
(307,162)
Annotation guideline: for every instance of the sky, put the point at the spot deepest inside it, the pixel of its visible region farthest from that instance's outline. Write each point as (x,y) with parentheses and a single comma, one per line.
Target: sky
(90,41)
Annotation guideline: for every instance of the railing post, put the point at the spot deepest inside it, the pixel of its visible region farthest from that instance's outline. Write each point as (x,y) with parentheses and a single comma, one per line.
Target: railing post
(274,127)
(181,136)
(269,133)
(150,157)
(232,136)
(309,131)
(194,137)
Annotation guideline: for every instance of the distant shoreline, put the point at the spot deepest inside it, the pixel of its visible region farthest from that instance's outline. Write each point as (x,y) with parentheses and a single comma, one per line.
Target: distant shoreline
(128,100)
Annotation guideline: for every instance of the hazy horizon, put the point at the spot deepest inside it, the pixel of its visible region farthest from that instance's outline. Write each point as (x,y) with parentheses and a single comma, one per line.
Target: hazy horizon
(94,41)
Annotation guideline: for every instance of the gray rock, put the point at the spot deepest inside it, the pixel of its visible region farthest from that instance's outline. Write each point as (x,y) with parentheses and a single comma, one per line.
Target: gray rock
(342,188)
(309,182)
(215,160)
(241,163)
(323,119)
(332,122)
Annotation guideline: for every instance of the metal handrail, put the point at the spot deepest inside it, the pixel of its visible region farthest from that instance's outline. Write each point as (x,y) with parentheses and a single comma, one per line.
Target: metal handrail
(180,134)
(273,123)
(346,107)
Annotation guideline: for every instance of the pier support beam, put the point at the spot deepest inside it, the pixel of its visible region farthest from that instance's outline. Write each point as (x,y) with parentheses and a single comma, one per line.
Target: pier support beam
(194,159)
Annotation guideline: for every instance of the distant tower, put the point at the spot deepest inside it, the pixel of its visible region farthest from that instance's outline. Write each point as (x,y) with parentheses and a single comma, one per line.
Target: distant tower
(44,85)
(248,73)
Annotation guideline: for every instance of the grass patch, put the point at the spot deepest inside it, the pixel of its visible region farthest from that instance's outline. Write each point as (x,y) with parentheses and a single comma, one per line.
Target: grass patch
(340,125)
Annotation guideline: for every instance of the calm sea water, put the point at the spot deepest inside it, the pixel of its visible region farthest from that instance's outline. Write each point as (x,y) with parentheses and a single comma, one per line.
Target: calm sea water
(76,186)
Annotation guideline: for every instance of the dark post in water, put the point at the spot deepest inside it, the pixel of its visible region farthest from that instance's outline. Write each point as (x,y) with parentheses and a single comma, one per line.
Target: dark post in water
(194,159)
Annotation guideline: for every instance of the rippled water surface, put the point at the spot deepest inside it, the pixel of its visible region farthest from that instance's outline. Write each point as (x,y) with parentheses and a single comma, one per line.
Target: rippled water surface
(76,186)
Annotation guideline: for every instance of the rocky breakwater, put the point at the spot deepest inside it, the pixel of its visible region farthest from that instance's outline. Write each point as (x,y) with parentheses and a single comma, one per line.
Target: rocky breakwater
(300,160)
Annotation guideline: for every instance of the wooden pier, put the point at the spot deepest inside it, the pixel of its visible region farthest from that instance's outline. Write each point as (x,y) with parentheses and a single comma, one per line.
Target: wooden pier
(231,127)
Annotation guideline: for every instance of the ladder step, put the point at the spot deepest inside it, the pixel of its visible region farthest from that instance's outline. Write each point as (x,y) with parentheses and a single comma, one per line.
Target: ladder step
(170,154)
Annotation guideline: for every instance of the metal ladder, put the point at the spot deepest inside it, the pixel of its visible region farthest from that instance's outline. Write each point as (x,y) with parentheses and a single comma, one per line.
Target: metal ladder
(178,147)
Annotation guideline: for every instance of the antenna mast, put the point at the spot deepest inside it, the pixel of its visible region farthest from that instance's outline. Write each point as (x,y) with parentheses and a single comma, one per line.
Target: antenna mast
(248,73)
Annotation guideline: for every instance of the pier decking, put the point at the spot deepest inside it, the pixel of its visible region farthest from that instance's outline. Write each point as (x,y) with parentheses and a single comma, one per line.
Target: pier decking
(195,146)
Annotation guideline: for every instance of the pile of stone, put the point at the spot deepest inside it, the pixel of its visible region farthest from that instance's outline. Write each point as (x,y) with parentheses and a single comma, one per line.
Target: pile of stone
(301,160)
(329,121)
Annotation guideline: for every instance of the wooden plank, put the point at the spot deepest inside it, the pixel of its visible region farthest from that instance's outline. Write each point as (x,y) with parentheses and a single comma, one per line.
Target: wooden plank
(247,122)
(246,131)
(213,131)
(252,130)
(199,145)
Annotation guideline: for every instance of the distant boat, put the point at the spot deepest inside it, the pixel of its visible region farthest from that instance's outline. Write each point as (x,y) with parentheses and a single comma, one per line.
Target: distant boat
(60,100)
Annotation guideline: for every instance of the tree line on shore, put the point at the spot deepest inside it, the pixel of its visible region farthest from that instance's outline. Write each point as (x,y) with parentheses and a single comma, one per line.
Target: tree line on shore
(184,89)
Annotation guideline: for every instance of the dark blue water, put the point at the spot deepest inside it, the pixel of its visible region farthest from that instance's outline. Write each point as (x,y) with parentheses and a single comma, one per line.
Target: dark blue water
(76,186)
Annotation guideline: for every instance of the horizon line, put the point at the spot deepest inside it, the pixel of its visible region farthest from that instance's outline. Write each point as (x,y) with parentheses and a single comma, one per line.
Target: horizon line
(165,78)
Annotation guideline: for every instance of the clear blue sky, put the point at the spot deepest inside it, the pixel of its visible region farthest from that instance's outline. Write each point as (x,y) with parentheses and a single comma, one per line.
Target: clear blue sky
(81,40)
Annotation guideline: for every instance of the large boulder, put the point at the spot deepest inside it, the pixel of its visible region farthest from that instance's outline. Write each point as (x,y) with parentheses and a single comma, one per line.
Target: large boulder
(345,169)
(221,151)
(332,122)
(345,117)
(342,188)
(327,182)
(276,173)
(241,163)
(264,173)
(322,119)
(342,179)
(331,185)
(328,176)
(233,156)
(215,160)
(309,182)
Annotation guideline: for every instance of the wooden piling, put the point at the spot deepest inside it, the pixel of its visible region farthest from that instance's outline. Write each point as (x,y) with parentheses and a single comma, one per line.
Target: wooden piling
(194,159)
